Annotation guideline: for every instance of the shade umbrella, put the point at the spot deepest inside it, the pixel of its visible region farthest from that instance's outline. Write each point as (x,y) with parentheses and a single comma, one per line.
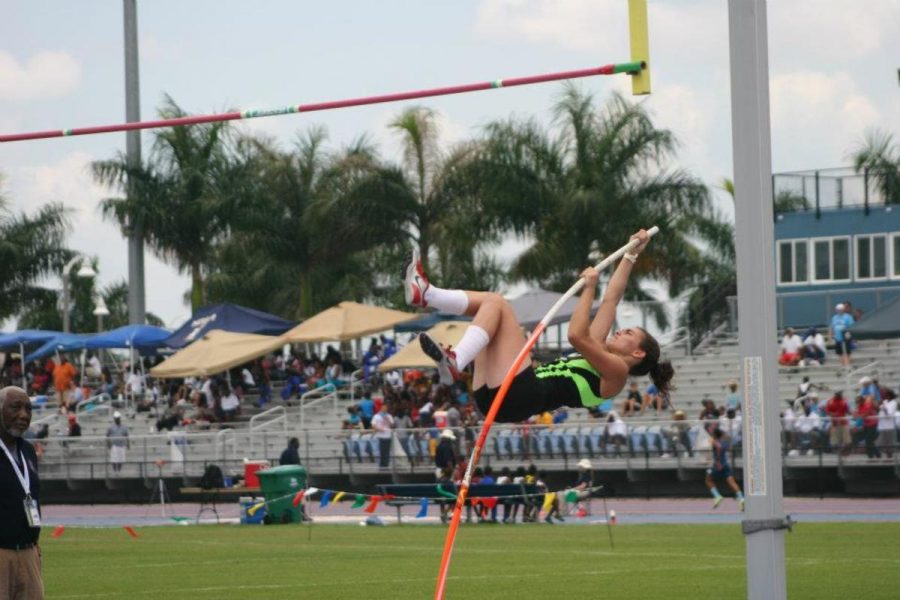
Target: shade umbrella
(144,338)
(217,351)
(347,321)
(411,356)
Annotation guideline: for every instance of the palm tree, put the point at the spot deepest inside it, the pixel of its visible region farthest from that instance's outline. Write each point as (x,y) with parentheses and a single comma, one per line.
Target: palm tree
(180,198)
(602,177)
(31,247)
(879,158)
(308,215)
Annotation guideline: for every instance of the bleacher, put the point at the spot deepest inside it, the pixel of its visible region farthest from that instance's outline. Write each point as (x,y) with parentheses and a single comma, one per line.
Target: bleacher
(74,466)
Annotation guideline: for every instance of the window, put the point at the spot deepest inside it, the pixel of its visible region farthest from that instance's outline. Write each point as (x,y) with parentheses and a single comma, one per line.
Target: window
(793,264)
(895,255)
(831,259)
(871,257)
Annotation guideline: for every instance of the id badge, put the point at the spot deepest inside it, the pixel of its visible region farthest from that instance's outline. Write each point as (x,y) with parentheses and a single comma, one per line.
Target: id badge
(31,512)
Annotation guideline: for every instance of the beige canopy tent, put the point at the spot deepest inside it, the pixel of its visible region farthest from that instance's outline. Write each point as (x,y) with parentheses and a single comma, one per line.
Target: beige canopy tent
(411,356)
(347,321)
(215,352)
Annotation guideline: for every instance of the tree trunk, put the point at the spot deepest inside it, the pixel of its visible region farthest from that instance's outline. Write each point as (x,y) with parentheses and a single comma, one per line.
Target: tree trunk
(198,295)
(306,297)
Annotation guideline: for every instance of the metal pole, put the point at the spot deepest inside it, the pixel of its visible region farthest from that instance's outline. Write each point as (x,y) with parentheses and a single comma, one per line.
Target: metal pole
(766,578)
(65,307)
(136,313)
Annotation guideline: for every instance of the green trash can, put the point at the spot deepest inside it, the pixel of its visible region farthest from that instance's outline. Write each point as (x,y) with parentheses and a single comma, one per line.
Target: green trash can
(279,486)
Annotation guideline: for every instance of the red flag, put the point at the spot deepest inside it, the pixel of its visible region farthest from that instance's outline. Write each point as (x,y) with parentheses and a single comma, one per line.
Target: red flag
(130,531)
(374,503)
(298,498)
(58,531)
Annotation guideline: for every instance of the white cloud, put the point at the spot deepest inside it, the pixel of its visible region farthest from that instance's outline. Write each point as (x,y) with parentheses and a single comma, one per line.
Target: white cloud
(816,118)
(45,75)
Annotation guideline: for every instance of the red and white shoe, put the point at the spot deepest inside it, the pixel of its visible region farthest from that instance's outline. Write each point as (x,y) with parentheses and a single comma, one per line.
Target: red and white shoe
(415,283)
(444,357)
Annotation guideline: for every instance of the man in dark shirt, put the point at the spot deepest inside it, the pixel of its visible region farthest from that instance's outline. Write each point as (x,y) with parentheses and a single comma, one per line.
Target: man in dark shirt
(20,562)
(291,454)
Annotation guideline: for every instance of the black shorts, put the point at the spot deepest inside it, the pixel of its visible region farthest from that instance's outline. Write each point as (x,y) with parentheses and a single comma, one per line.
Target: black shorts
(527,396)
(843,348)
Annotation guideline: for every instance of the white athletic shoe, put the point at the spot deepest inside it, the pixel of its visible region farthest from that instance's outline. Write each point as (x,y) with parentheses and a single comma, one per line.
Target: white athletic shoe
(415,283)
(444,357)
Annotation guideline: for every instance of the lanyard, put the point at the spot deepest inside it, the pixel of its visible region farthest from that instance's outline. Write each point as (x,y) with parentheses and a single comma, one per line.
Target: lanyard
(25,479)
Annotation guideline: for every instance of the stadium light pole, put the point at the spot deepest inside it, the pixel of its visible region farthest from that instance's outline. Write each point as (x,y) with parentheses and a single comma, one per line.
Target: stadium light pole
(764,521)
(136,307)
(85,272)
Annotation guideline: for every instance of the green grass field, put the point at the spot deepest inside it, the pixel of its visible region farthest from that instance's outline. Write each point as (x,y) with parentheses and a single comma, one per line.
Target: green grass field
(846,560)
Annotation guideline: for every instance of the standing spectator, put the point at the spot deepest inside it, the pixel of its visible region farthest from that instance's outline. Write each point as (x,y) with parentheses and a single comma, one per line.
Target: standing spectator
(633,402)
(788,419)
(840,323)
(791,347)
(94,366)
(20,491)
(730,424)
(383,423)
(887,428)
(291,454)
(117,441)
(733,399)
(403,423)
(445,453)
(813,348)
(134,387)
(868,388)
(837,410)
(868,413)
(63,376)
(366,409)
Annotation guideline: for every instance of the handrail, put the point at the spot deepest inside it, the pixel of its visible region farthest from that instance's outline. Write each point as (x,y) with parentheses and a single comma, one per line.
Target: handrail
(315,397)
(222,443)
(869,368)
(256,426)
(98,402)
(357,379)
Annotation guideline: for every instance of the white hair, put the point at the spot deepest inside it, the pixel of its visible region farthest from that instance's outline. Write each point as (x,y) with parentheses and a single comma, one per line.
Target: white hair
(4,392)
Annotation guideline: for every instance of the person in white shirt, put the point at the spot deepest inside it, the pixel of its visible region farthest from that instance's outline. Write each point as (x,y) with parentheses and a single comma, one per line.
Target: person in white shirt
(231,405)
(615,433)
(887,425)
(730,424)
(813,348)
(807,427)
(791,346)
(788,420)
(383,423)
(94,368)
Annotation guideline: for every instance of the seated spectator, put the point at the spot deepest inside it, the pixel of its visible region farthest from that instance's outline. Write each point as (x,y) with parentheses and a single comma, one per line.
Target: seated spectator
(366,409)
(807,428)
(653,398)
(791,347)
(74,426)
(615,432)
(733,399)
(837,410)
(633,402)
(678,432)
(730,424)
(76,395)
(291,454)
(352,421)
(230,406)
(813,348)
(560,415)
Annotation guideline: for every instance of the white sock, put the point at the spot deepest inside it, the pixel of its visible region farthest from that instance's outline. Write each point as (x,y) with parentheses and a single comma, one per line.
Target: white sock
(473,341)
(454,302)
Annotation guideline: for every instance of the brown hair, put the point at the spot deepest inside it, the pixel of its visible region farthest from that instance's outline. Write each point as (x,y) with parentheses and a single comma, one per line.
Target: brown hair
(661,372)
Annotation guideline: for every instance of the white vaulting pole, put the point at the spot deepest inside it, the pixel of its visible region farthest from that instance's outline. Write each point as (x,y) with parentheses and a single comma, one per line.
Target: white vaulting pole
(764,520)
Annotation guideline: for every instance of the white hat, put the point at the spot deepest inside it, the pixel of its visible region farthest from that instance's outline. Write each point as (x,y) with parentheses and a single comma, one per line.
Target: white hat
(585,464)
(840,306)
(447,434)
(865,380)
(117,415)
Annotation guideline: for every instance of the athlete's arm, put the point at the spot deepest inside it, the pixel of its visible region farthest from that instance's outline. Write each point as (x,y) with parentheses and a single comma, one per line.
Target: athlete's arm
(606,315)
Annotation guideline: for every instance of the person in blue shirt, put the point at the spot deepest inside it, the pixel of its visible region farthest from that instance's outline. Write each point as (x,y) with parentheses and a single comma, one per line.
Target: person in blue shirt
(367,410)
(841,321)
(721,470)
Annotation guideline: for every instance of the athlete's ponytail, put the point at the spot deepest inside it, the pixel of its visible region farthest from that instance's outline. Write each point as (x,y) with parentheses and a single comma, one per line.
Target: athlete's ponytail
(661,372)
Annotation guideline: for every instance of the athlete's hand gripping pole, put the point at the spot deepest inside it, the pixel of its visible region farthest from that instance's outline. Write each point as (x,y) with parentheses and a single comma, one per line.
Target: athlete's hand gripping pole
(498,401)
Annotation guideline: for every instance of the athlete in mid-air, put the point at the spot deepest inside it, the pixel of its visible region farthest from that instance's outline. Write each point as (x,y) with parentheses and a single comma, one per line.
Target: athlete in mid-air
(494,338)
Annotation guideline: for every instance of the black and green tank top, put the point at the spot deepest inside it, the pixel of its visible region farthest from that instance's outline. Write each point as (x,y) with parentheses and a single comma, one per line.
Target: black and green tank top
(572,380)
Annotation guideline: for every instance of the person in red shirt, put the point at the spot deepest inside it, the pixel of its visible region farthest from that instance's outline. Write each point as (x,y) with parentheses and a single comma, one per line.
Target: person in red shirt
(866,410)
(837,410)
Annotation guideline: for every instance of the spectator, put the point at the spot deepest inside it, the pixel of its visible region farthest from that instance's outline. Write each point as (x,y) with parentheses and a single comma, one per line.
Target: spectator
(383,423)
(813,348)
(291,454)
(788,420)
(733,399)
(840,323)
(887,427)
(63,376)
(352,421)
(76,395)
(837,410)
(582,488)
(614,433)
(730,424)
(403,423)
(94,367)
(868,388)
(134,387)
(652,397)
(117,441)
(791,347)
(560,415)
(230,406)
(678,432)
(553,511)
(367,409)
(445,453)
(807,428)
(633,402)
(516,503)
(74,426)
(868,414)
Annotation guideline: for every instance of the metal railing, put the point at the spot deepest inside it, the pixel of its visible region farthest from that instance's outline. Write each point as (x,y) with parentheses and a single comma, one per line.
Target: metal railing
(315,397)
(827,189)
(264,422)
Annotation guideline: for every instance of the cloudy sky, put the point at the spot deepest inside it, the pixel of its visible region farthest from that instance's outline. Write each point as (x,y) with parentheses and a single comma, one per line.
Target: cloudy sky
(833,75)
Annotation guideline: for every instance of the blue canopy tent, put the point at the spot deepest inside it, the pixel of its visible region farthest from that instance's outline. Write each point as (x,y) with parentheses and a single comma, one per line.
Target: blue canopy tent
(62,342)
(146,339)
(227,317)
(25,339)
